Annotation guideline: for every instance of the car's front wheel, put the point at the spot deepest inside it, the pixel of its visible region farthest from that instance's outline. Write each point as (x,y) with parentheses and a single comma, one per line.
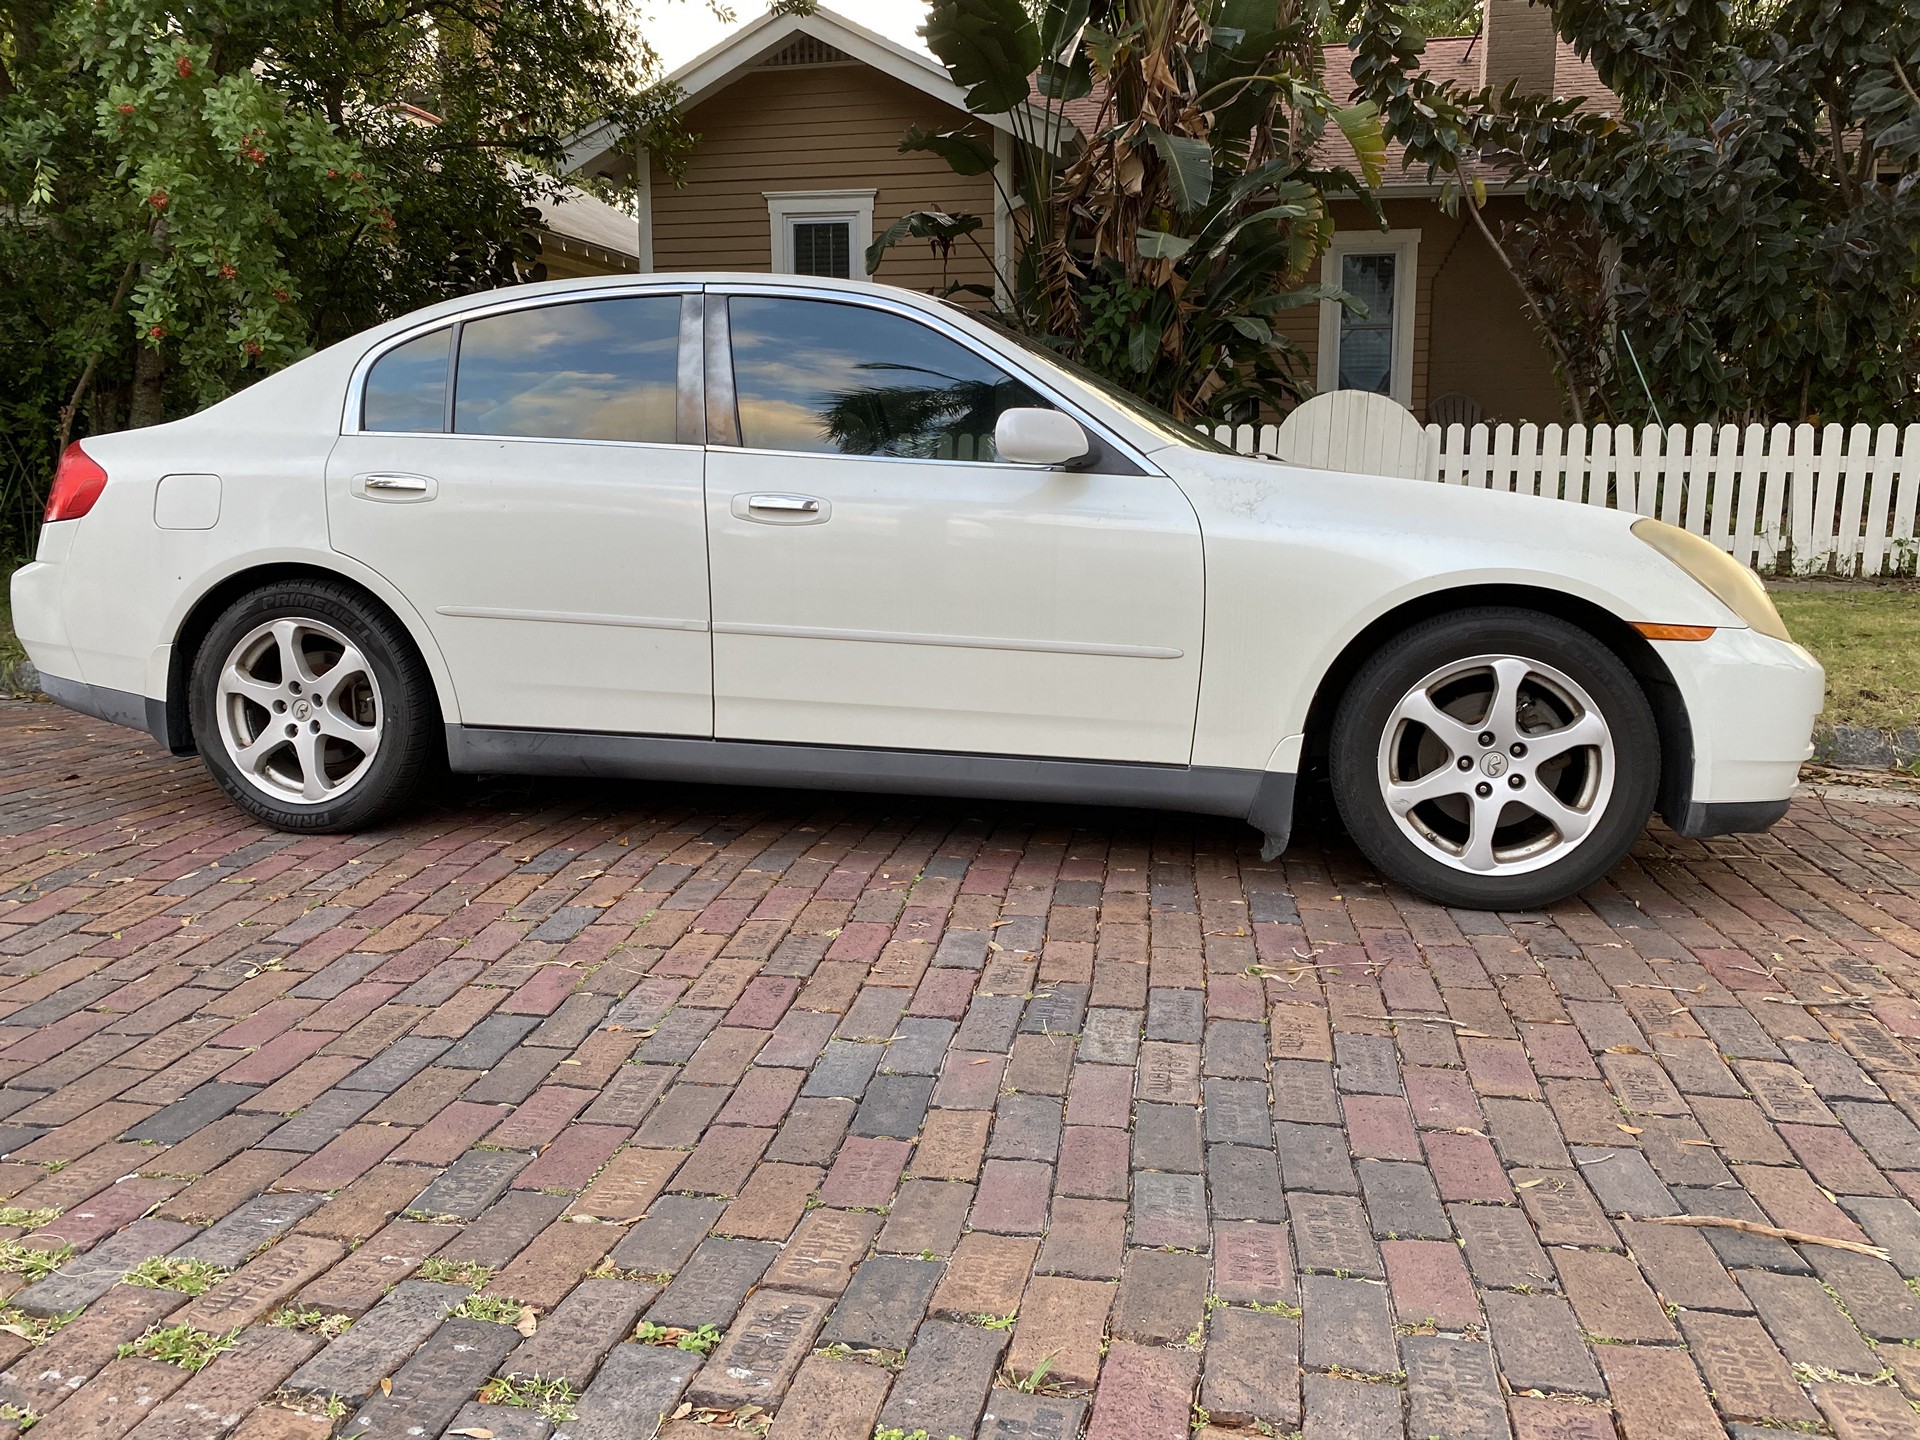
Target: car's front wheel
(312,709)
(1495,759)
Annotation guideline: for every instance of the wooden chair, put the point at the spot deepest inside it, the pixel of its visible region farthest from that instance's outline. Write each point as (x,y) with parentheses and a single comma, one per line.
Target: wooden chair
(1354,431)
(1453,408)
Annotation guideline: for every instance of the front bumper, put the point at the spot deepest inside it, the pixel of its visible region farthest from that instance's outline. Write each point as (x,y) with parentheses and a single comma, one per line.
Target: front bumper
(1750,703)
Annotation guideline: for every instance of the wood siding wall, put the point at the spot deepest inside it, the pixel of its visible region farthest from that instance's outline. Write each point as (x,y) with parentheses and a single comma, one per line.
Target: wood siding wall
(829,127)
(1471,330)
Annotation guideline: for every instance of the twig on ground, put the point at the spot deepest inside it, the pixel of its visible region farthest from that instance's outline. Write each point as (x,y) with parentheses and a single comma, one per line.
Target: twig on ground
(1754,1227)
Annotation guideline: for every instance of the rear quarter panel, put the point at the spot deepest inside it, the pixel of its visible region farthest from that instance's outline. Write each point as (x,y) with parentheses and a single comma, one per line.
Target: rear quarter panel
(127,585)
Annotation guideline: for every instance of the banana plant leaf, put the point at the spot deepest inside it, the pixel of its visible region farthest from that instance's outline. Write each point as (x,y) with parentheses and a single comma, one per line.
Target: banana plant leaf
(965,154)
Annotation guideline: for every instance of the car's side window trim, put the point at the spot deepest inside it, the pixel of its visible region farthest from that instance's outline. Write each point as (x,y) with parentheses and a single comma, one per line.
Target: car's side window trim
(1115,451)
(353,411)
(690,407)
(723,405)
(453,375)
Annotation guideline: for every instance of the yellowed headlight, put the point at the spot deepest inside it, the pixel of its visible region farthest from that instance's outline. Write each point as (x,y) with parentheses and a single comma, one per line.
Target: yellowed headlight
(1730,582)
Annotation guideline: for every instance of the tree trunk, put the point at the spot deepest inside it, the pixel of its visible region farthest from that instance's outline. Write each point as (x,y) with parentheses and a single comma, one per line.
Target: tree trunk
(148,405)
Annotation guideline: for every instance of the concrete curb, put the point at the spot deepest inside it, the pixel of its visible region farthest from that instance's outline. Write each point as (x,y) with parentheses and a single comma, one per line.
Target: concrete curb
(1860,747)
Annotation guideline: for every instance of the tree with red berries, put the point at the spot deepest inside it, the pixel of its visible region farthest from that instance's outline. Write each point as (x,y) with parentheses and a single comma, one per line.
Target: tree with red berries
(194,195)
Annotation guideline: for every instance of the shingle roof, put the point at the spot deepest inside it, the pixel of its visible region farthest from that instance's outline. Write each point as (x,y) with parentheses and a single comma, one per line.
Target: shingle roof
(1451,59)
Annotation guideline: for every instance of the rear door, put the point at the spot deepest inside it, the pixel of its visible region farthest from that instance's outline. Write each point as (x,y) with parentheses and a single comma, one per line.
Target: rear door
(522,477)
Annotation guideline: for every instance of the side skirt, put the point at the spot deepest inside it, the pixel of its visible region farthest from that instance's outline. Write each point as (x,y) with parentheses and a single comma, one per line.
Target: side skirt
(1263,798)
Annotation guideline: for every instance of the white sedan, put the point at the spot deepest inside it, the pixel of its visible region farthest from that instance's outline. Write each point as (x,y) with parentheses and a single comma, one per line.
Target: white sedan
(786,531)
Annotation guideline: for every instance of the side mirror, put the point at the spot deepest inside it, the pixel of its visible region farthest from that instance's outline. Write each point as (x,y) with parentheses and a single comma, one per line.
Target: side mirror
(1033,436)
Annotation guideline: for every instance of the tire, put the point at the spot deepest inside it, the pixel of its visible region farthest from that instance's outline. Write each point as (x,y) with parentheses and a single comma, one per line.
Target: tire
(1569,778)
(353,710)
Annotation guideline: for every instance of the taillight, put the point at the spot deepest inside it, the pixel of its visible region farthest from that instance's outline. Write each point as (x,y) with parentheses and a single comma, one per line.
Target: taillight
(76,485)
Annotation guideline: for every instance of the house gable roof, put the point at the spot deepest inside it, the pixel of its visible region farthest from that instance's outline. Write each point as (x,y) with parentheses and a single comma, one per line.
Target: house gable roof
(762,39)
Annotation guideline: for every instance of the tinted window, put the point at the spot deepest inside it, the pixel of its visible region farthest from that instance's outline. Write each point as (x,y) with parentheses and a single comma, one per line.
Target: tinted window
(407,387)
(843,379)
(589,370)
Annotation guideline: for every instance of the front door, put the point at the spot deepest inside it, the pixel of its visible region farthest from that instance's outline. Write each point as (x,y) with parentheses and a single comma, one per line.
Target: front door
(517,476)
(880,579)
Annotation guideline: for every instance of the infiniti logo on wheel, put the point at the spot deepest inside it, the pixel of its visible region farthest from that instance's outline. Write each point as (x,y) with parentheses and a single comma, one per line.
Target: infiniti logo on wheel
(1493,763)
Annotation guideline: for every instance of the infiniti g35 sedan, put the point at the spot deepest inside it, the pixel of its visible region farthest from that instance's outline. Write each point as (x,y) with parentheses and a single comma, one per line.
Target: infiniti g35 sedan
(799,532)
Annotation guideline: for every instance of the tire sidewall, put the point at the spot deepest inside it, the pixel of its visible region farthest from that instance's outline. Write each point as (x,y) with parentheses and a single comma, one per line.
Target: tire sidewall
(406,723)
(1365,711)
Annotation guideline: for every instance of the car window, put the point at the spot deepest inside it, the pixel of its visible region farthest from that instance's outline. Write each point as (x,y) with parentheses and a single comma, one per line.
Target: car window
(818,376)
(407,387)
(583,370)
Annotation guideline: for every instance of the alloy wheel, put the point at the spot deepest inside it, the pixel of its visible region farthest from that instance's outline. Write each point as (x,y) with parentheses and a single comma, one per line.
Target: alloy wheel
(299,711)
(1497,764)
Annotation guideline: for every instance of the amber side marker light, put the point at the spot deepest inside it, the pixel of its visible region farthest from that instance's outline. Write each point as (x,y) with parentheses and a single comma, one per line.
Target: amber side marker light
(1674,632)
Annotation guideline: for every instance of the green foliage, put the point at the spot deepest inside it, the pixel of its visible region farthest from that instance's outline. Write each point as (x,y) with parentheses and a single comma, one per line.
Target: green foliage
(470,1273)
(553,1399)
(327,1325)
(35,1262)
(189,1277)
(194,195)
(698,1342)
(34,1329)
(1157,246)
(495,1309)
(180,1345)
(1745,234)
(12,1217)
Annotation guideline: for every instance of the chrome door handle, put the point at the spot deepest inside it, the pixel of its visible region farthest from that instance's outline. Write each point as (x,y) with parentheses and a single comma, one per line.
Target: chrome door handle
(799,504)
(412,484)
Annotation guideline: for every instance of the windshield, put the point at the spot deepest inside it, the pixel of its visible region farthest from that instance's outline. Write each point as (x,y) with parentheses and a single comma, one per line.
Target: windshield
(1175,432)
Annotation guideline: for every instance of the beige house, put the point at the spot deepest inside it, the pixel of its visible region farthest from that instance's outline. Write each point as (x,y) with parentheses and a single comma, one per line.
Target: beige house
(798,167)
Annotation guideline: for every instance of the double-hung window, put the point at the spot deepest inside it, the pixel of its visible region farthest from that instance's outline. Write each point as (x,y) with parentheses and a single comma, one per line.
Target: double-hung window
(1370,347)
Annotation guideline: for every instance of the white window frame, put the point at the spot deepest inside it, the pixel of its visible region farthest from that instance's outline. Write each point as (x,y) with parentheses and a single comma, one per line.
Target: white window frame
(786,206)
(1404,245)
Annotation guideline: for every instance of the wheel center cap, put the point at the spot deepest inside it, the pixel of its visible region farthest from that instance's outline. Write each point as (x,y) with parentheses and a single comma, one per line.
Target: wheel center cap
(301,709)
(1493,764)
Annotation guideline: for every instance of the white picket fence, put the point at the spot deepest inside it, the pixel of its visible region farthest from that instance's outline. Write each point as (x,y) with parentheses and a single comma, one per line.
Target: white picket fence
(1783,498)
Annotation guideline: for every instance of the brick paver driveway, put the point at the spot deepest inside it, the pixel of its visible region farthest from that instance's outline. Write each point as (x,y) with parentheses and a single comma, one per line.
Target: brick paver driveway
(967,1119)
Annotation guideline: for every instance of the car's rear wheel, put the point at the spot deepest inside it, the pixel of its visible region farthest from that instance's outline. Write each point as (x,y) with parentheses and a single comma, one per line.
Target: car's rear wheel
(1495,759)
(312,709)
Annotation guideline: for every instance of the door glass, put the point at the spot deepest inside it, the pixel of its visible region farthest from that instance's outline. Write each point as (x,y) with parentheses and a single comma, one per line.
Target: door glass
(407,387)
(823,247)
(586,370)
(1366,342)
(816,376)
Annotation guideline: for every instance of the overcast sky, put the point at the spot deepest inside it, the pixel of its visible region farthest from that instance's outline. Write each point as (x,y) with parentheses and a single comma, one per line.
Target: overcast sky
(682,29)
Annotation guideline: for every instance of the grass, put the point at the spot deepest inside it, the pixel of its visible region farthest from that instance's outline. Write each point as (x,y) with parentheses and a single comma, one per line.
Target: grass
(189,1277)
(1869,640)
(470,1273)
(311,1321)
(494,1309)
(698,1342)
(180,1345)
(553,1399)
(32,1261)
